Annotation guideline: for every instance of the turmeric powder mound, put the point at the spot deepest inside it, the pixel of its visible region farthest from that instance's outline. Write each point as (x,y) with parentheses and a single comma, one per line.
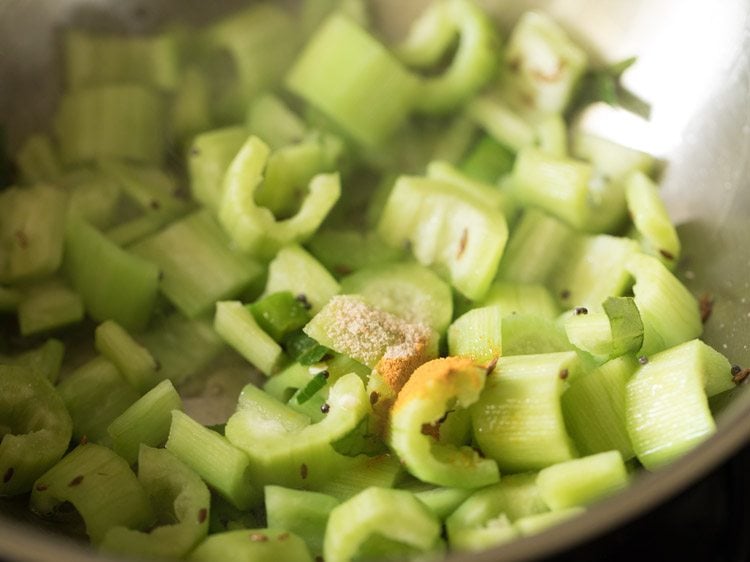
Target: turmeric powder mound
(396,366)
(449,376)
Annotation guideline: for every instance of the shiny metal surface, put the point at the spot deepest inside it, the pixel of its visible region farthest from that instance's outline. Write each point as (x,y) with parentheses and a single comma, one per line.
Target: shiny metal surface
(694,68)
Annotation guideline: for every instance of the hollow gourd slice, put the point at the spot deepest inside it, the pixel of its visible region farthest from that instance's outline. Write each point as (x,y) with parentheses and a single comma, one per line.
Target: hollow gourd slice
(538,243)
(295,270)
(670,314)
(446,229)
(246,54)
(35,428)
(100,485)
(518,418)
(282,448)
(252,545)
(346,250)
(408,290)
(44,361)
(542,65)
(48,305)
(531,334)
(209,156)
(594,268)
(32,229)
(134,361)
(198,264)
(302,512)
(114,284)
(181,503)
(362,472)
(395,515)
(353,78)
(111,121)
(473,63)
(558,186)
(521,299)
(484,518)
(220,464)
(581,482)
(145,422)
(594,408)
(182,347)
(666,401)
(95,394)
(236,325)
(255,229)
(477,334)
(657,233)
(433,389)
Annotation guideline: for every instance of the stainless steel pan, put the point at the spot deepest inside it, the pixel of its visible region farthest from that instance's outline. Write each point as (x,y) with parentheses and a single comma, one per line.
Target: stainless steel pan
(694,68)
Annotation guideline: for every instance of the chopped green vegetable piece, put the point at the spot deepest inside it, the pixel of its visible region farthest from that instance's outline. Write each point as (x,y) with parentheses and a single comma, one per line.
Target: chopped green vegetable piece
(38,160)
(447,229)
(580,482)
(477,334)
(48,305)
(280,314)
(93,59)
(296,456)
(542,65)
(247,53)
(110,121)
(271,119)
(594,408)
(354,79)
(252,545)
(392,514)
(670,314)
(362,472)
(221,465)
(501,123)
(616,331)
(35,428)
(666,406)
(255,229)
(414,432)
(133,360)
(483,520)
(181,503)
(32,226)
(657,233)
(100,485)
(95,394)
(113,283)
(209,156)
(301,512)
(238,328)
(344,251)
(44,361)
(181,347)
(295,270)
(198,264)
(487,161)
(518,419)
(146,421)
(473,64)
